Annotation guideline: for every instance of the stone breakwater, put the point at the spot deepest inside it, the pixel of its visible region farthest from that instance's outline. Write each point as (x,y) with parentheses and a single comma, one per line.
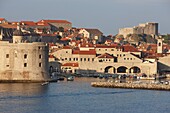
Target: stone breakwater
(131,85)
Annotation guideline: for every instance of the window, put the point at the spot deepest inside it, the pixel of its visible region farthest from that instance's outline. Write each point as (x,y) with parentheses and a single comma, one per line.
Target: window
(124,58)
(7,55)
(81,59)
(40,56)
(88,59)
(69,59)
(25,64)
(123,54)
(65,58)
(105,49)
(130,58)
(39,47)
(84,59)
(25,56)
(92,59)
(127,58)
(66,51)
(40,64)
(112,49)
(7,65)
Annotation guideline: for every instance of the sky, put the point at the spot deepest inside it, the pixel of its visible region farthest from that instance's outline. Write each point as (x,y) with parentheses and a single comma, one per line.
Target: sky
(105,15)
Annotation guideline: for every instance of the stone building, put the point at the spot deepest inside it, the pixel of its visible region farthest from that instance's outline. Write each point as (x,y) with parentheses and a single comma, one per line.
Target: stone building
(23,61)
(105,59)
(92,34)
(56,23)
(147,28)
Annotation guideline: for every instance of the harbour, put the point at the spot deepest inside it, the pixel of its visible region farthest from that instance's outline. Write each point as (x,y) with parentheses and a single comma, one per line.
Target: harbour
(79,97)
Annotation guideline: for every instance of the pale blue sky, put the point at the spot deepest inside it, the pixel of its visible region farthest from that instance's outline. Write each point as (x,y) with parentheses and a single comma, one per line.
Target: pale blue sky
(107,15)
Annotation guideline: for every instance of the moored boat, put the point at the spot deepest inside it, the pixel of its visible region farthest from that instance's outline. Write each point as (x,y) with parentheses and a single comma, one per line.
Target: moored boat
(70,78)
(45,83)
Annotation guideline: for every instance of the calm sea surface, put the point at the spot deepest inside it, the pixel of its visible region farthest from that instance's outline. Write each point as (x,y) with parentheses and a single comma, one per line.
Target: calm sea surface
(79,97)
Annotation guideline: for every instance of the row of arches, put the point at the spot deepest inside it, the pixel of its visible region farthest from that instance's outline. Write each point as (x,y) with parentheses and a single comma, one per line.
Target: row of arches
(122,69)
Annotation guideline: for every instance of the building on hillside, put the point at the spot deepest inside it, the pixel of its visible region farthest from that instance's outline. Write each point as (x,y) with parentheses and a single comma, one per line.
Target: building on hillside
(147,28)
(92,34)
(57,23)
(23,62)
(3,21)
(105,59)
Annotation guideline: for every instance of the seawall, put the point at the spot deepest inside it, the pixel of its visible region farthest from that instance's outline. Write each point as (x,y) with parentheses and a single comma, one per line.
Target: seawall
(131,86)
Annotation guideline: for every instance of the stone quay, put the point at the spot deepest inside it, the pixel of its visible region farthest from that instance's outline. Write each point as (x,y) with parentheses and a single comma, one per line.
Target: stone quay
(147,86)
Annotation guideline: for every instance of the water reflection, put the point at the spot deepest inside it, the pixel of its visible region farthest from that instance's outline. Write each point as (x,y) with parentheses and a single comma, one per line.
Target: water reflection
(23,88)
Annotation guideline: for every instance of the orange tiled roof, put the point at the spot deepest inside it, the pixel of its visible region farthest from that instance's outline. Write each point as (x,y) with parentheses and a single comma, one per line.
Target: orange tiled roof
(67,47)
(29,23)
(89,52)
(106,55)
(71,64)
(1,19)
(129,48)
(54,21)
(8,26)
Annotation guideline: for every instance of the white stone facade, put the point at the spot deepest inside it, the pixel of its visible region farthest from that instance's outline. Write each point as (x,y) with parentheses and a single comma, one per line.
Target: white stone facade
(122,62)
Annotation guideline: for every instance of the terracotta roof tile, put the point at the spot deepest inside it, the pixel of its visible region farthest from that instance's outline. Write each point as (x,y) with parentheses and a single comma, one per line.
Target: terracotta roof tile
(129,48)
(1,19)
(8,26)
(67,47)
(106,55)
(80,52)
(28,23)
(54,21)
(71,64)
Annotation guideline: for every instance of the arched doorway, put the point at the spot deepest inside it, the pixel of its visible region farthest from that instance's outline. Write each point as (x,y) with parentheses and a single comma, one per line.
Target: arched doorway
(110,69)
(134,69)
(122,69)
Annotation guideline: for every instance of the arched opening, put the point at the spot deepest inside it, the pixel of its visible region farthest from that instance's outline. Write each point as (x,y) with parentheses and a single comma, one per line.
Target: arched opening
(122,69)
(110,69)
(135,69)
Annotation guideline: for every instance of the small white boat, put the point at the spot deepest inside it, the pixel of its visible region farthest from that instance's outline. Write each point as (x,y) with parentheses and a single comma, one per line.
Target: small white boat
(45,83)
(70,78)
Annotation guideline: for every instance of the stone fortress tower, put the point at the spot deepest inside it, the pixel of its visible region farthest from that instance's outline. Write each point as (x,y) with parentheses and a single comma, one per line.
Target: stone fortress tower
(149,28)
(23,62)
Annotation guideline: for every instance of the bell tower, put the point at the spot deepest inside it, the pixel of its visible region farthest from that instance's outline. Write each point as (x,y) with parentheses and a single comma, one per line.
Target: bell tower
(159,45)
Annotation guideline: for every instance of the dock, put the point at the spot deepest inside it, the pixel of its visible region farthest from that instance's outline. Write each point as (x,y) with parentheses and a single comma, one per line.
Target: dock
(146,86)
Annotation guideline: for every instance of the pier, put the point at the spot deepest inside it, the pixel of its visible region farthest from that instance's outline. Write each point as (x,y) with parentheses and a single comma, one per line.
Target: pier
(147,86)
